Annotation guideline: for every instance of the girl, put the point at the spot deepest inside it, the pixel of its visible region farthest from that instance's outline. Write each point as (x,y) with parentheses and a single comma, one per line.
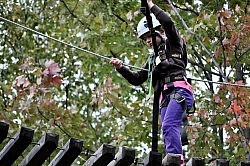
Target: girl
(168,74)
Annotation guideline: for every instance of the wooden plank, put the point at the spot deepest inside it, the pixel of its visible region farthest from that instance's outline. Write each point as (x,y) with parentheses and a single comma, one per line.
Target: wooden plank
(172,159)
(196,161)
(102,157)
(153,159)
(69,153)
(220,162)
(124,157)
(40,152)
(4,127)
(246,163)
(16,146)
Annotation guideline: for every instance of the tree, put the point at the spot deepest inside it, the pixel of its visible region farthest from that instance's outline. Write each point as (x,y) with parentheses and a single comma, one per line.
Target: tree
(85,98)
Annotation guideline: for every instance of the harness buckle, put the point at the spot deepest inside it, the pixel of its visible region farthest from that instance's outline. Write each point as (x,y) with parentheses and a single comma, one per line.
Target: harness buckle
(167,80)
(176,55)
(179,99)
(170,79)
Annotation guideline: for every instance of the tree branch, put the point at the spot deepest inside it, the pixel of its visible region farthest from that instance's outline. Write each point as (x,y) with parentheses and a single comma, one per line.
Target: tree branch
(72,13)
(116,15)
(202,67)
(187,9)
(221,39)
(199,41)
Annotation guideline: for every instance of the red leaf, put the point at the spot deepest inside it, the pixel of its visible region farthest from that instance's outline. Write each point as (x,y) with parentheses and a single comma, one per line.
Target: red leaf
(233,122)
(217,98)
(46,72)
(225,42)
(22,81)
(52,68)
(234,39)
(225,13)
(237,8)
(218,52)
(57,81)
(246,27)
(48,63)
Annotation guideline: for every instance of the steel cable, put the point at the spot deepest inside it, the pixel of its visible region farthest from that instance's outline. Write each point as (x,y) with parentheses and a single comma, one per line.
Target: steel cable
(105,57)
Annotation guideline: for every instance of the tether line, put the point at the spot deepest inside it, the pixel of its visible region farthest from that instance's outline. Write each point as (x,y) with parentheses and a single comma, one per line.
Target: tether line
(65,43)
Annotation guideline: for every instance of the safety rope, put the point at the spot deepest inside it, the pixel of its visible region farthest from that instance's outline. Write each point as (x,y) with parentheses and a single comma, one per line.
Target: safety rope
(105,57)
(150,74)
(65,43)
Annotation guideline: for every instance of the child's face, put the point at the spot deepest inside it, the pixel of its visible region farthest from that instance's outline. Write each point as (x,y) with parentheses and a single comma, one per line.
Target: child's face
(147,39)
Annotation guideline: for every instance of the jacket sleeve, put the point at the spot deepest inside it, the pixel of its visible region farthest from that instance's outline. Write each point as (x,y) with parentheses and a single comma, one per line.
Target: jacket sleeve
(134,77)
(172,33)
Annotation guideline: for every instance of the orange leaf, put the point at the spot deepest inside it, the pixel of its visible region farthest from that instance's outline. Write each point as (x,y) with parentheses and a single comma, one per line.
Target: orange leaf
(237,109)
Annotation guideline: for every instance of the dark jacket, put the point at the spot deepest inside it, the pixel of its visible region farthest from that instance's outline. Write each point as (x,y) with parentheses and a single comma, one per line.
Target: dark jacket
(169,67)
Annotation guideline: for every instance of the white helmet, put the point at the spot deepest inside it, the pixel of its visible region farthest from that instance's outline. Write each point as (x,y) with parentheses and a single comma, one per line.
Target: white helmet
(142,26)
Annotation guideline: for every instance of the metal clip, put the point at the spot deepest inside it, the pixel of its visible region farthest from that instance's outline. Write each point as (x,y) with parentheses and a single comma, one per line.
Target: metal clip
(179,98)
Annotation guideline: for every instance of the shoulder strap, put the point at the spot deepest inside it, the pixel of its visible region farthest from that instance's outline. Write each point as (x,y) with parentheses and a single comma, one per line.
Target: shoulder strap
(184,53)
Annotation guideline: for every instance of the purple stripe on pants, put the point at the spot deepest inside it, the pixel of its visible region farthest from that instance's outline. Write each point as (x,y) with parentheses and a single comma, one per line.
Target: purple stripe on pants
(171,118)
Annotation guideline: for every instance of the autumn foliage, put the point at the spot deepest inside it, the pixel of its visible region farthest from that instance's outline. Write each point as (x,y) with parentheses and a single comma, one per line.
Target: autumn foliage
(50,87)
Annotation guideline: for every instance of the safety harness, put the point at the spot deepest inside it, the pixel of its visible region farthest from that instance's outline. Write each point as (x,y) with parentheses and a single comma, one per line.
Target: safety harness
(180,61)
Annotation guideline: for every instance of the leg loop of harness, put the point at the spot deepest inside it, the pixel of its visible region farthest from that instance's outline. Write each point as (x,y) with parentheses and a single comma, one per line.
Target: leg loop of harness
(170,89)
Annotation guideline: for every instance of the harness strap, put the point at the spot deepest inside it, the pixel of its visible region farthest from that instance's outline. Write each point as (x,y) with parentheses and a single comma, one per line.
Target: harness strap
(184,138)
(173,78)
(169,82)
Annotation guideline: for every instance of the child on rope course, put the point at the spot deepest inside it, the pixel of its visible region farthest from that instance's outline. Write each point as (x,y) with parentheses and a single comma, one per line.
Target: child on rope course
(168,73)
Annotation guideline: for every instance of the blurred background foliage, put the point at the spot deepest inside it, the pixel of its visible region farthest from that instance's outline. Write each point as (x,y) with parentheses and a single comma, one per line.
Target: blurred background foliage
(51,87)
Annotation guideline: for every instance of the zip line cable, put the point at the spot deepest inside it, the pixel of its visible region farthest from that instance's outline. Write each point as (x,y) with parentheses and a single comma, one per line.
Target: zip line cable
(65,43)
(102,56)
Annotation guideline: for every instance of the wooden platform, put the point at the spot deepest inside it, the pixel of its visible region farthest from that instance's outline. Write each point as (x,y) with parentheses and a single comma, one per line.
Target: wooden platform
(106,155)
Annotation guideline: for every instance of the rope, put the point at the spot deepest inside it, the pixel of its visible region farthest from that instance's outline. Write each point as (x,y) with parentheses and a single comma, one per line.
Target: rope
(150,74)
(223,83)
(105,57)
(62,42)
